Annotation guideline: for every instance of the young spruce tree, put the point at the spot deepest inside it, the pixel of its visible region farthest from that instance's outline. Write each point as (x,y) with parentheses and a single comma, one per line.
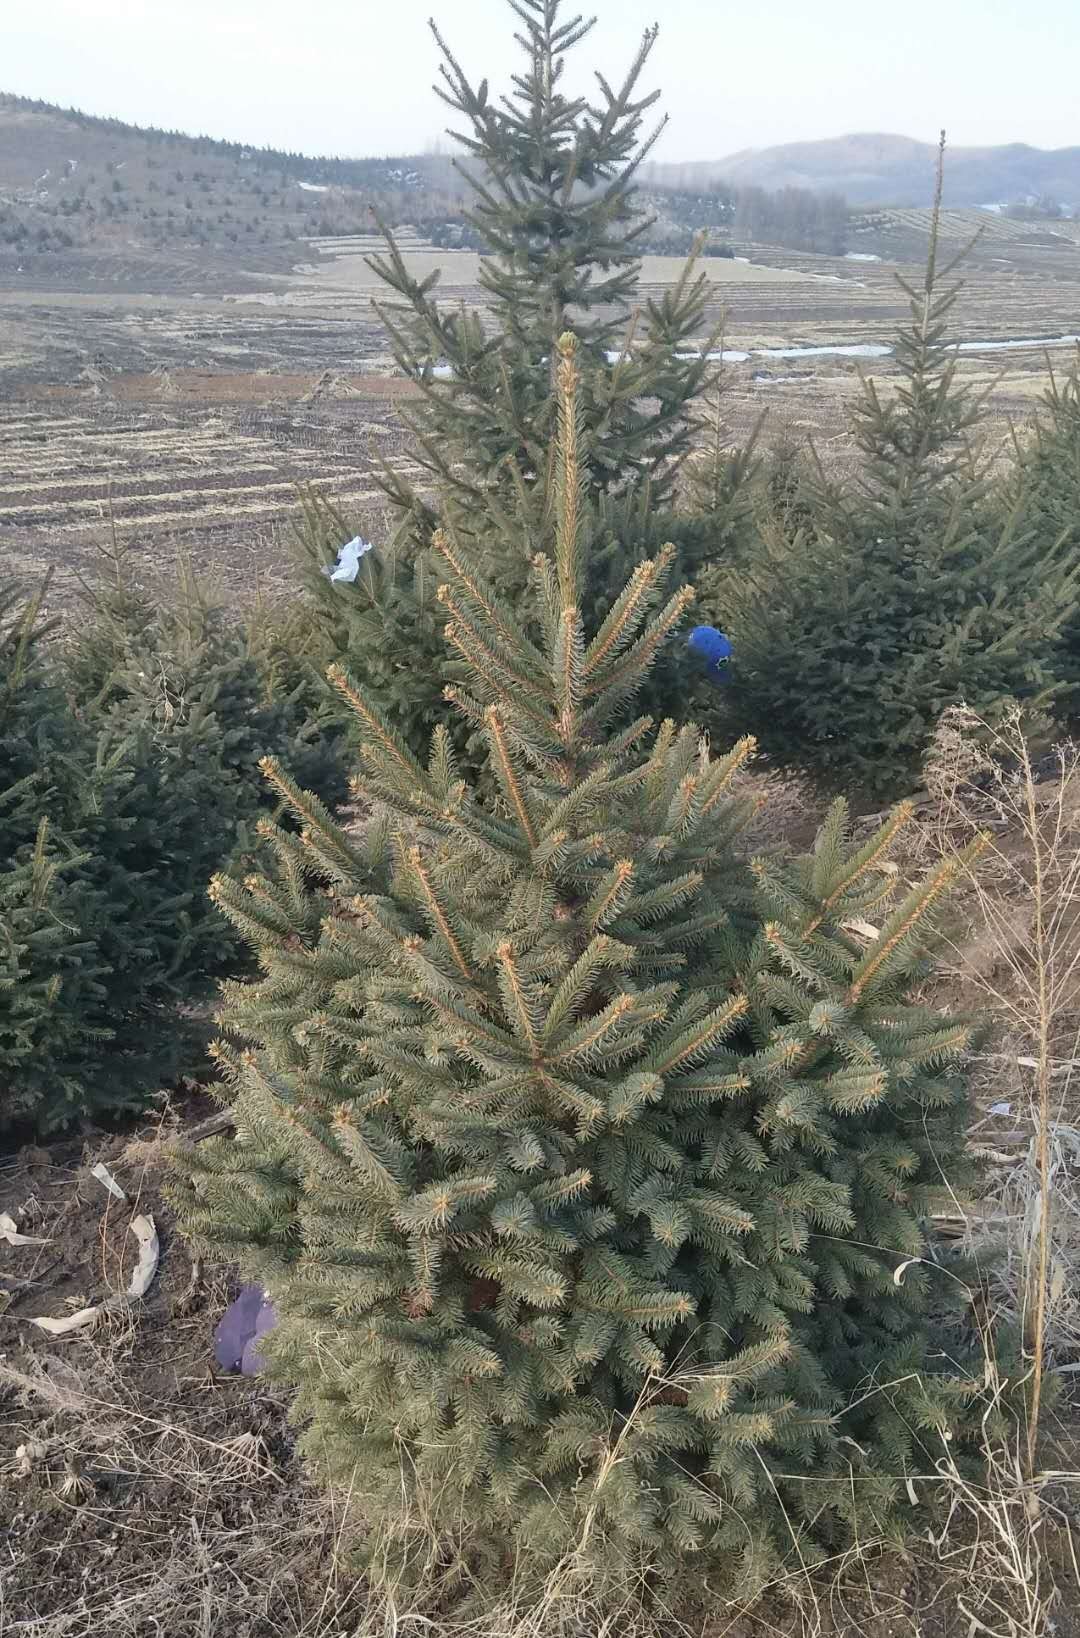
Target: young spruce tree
(83,1027)
(1045,485)
(581,1160)
(552,180)
(905,594)
(554,203)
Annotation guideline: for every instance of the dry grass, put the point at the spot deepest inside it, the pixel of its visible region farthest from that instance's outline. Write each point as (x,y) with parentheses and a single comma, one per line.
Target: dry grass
(1018,960)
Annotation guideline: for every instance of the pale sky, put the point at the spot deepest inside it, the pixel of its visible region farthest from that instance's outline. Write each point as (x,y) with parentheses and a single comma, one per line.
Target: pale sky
(354,76)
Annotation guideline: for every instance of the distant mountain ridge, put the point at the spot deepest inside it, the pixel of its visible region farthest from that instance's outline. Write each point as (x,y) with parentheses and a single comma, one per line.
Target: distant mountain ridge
(879,168)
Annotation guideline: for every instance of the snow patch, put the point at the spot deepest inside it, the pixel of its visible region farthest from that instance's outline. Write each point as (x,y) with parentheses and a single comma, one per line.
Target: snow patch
(723,355)
(860,256)
(856,349)
(1017,342)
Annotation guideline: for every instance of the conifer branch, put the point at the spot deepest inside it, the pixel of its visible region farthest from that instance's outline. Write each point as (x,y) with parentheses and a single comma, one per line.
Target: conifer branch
(437,913)
(509,778)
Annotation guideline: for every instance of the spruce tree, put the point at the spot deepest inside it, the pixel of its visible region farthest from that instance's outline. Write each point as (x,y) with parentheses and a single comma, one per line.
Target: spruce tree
(906,593)
(1044,484)
(580,1159)
(552,178)
(552,182)
(50,989)
(64,1049)
(129,749)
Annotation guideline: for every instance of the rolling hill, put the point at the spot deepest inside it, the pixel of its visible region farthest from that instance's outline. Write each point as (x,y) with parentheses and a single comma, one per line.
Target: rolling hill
(882,169)
(74,183)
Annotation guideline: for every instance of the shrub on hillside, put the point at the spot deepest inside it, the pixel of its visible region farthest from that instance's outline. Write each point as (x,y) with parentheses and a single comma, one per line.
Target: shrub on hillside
(581,1160)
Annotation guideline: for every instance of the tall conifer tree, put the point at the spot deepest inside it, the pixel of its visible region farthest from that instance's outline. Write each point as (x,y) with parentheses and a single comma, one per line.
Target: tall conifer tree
(552,178)
(552,181)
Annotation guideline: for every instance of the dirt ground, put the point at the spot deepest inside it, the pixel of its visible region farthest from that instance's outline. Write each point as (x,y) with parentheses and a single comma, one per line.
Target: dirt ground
(143,1492)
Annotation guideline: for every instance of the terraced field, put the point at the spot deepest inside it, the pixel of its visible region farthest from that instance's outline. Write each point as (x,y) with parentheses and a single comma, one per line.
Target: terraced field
(186,421)
(221,486)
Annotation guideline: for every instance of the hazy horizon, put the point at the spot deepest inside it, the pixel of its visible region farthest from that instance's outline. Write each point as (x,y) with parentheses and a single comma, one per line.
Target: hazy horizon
(356,80)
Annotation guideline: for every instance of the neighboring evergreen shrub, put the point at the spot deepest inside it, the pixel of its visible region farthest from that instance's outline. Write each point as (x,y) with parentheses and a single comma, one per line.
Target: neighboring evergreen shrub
(907,592)
(185,660)
(129,752)
(1045,485)
(70,929)
(585,1165)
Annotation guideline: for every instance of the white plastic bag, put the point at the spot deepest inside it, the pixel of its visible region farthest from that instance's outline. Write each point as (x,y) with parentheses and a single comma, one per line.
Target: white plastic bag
(348,563)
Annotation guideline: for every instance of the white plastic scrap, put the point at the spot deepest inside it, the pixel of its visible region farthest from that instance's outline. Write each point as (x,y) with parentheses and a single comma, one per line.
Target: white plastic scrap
(348,563)
(9,1232)
(145,1231)
(26,1456)
(107,1180)
(71,1322)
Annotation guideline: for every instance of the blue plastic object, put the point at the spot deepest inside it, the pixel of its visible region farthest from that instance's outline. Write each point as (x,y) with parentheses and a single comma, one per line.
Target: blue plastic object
(713,648)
